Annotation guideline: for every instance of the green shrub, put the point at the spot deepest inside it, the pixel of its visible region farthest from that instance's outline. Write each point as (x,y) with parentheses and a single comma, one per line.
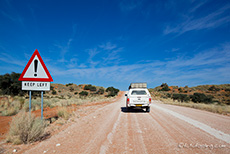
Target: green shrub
(71,89)
(54,92)
(169,95)
(180,90)
(25,128)
(112,91)
(69,84)
(213,88)
(165,87)
(181,97)
(100,91)
(10,85)
(200,97)
(51,88)
(90,87)
(76,93)
(83,93)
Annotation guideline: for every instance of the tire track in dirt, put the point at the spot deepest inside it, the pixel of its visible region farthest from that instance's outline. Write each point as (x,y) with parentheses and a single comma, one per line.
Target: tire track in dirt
(117,139)
(136,135)
(126,135)
(113,129)
(155,137)
(104,147)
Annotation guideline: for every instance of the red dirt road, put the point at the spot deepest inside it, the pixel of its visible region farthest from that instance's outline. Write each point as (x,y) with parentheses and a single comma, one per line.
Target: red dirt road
(166,129)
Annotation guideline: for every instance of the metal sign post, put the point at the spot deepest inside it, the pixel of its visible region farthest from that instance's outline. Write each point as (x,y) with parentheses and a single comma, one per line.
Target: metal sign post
(42,105)
(30,102)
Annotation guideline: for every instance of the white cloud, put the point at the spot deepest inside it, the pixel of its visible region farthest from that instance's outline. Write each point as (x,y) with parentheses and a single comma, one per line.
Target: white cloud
(104,54)
(113,56)
(11,60)
(197,5)
(72,63)
(66,47)
(108,46)
(210,66)
(212,20)
(92,53)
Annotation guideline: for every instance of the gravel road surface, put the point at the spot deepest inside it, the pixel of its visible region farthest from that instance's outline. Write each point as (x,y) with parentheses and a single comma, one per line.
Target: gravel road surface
(166,129)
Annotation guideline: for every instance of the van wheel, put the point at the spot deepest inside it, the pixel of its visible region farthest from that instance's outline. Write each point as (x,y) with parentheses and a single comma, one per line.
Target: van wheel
(147,109)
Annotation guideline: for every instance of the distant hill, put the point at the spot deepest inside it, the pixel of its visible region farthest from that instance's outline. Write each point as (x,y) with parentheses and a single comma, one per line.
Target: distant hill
(219,94)
(9,85)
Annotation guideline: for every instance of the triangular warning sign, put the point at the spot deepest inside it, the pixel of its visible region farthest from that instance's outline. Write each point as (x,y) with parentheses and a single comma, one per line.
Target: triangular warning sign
(36,70)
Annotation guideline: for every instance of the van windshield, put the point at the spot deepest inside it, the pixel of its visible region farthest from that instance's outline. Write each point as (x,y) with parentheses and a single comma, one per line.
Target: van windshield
(138,92)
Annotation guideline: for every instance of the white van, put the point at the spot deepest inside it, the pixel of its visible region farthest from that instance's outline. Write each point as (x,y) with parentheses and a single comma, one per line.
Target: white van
(138,97)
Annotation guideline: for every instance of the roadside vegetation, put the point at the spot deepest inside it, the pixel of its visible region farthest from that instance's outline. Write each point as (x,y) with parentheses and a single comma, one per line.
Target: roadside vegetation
(63,98)
(213,98)
(13,99)
(26,128)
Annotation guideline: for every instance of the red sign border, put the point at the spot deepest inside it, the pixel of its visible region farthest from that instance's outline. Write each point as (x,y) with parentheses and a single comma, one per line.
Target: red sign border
(49,79)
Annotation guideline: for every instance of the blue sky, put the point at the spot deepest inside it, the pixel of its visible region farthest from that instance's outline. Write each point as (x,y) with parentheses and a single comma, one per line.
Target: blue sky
(113,43)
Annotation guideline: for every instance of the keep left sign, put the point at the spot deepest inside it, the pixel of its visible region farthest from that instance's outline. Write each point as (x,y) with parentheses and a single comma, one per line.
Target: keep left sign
(35,75)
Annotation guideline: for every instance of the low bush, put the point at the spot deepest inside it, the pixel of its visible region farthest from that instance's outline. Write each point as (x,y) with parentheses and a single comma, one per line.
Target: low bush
(90,87)
(69,84)
(180,90)
(25,128)
(169,95)
(100,91)
(112,91)
(71,89)
(165,87)
(83,93)
(200,97)
(54,92)
(213,88)
(181,97)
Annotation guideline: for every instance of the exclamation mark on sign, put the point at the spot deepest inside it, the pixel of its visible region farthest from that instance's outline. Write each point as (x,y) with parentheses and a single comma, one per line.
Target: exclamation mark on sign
(35,67)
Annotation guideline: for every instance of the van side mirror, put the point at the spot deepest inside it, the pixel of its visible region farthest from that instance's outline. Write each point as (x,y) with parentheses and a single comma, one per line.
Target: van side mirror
(125,94)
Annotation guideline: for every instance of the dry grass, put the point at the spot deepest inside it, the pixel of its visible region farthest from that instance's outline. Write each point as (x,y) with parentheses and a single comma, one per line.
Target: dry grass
(25,128)
(12,105)
(10,111)
(215,108)
(63,113)
(75,100)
